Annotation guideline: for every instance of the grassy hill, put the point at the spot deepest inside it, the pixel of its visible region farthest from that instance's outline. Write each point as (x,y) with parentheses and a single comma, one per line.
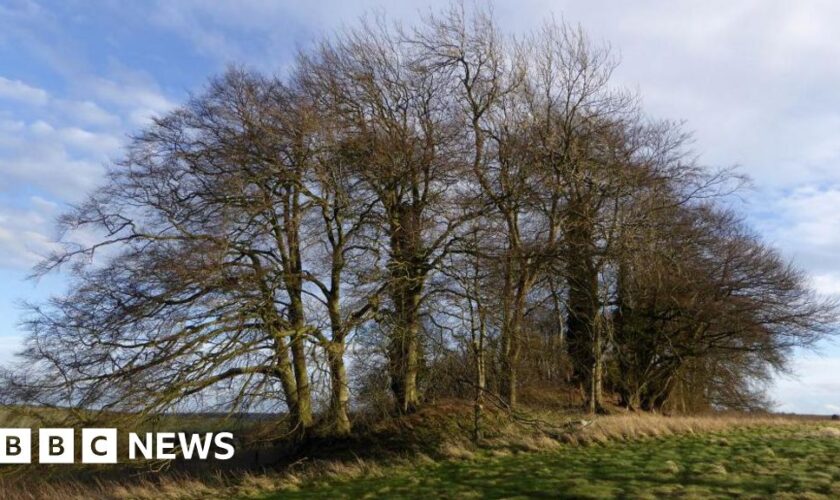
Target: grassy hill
(773,460)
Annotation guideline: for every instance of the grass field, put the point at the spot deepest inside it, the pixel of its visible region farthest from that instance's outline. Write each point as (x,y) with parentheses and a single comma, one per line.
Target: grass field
(795,461)
(430,455)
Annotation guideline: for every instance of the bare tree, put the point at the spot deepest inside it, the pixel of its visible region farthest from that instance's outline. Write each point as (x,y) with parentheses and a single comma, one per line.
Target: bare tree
(199,284)
(706,312)
(400,133)
(461,191)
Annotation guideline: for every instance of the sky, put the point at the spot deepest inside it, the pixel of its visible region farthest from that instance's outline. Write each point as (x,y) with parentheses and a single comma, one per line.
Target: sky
(756,81)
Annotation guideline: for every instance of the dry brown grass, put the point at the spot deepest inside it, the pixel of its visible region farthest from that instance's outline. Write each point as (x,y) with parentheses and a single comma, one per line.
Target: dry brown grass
(458,451)
(831,432)
(634,426)
(547,431)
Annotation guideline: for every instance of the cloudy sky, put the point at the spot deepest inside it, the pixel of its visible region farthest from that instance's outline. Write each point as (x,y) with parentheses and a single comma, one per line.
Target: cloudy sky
(755,80)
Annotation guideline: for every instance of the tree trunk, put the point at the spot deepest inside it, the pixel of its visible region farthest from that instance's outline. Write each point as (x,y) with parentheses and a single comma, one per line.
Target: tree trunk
(288,240)
(339,420)
(511,347)
(582,335)
(517,285)
(404,364)
(507,382)
(597,376)
(407,276)
(339,391)
(480,380)
(287,379)
(302,379)
(304,396)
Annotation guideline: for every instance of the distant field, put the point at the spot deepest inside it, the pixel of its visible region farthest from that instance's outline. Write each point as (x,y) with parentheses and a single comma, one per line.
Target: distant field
(795,461)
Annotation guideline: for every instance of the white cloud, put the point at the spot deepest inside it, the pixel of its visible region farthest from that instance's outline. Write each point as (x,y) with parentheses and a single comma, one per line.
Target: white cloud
(100,144)
(750,77)
(805,224)
(60,151)
(264,33)
(814,387)
(52,169)
(11,125)
(25,234)
(18,91)
(139,100)
(41,128)
(826,284)
(43,205)
(65,161)
(186,22)
(87,112)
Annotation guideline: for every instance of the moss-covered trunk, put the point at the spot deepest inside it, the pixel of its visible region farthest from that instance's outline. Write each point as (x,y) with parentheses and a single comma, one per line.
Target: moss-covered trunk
(407,276)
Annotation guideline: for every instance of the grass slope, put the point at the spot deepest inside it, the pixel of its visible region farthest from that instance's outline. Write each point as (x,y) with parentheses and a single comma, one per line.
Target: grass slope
(539,453)
(796,461)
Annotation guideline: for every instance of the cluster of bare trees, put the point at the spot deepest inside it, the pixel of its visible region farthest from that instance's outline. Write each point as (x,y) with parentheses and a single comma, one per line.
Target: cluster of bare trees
(402,201)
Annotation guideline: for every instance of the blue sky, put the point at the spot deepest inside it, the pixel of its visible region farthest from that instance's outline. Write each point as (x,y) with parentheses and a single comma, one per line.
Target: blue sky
(756,80)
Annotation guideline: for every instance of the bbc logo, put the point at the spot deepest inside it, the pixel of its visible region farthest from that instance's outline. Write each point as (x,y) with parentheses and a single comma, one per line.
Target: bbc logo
(57,446)
(99,446)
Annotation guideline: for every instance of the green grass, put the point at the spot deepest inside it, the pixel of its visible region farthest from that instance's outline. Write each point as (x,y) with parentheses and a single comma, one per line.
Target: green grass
(783,461)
